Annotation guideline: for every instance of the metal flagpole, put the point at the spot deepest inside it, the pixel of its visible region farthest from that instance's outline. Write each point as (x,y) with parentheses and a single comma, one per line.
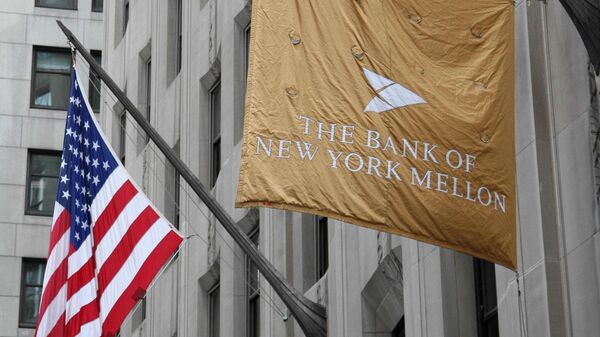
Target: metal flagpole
(311,316)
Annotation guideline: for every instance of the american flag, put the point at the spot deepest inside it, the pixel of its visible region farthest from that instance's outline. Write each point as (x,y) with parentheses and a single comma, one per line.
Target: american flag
(107,242)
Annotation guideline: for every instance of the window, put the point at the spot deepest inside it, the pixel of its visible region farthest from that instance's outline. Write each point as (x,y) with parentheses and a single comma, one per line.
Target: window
(485,298)
(139,315)
(32,278)
(214,316)
(61,4)
(44,167)
(179,34)
(125,15)
(148,93)
(97,5)
(122,135)
(322,247)
(215,132)
(246,49)
(253,291)
(95,83)
(51,78)
(399,330)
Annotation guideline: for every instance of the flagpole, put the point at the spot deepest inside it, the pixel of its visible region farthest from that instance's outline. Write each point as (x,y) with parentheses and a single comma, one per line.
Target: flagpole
(311,316)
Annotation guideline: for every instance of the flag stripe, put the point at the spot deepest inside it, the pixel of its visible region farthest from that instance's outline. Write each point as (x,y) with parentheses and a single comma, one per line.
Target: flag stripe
(122,251)
(52,313)
(85,295)
(53,286)
(139,284)
(81,256)
(59,328)
(91,329)
(86,314)
(131,267)
(83,276)
(120,226)
(125,193)
(61,225)
(113,183)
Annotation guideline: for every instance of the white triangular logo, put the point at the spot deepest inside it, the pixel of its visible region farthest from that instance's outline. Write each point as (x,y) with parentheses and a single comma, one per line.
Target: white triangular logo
(390,95)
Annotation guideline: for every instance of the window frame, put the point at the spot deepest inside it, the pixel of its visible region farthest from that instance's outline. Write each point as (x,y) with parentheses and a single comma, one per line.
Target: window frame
(321,246)
(215,289)
(148,84)
(126,12)
(179,37)
(98,11)
(31,152)
(91,87)
(22,289)
(74,8)
(483,316)
(215,140)
(122,136)
(253,295)
(34,75)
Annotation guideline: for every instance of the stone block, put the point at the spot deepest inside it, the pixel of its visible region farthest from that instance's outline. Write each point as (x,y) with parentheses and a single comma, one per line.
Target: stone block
(569,68)
(12,27)
(15,61)
(32,241)
(523,100)
(9,315)
(583,290)
(576,182)
(14,95)
(536,300)
(529,209)
(7,238)
(12,203)
(10,131)
(10,277)
(51,129)
(13,166)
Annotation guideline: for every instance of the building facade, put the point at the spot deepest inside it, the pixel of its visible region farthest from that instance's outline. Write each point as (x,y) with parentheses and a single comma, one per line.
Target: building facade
(184,64)
(35,71)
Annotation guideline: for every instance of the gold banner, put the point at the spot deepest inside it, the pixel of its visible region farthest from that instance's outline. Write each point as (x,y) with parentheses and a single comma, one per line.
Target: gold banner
(392,115)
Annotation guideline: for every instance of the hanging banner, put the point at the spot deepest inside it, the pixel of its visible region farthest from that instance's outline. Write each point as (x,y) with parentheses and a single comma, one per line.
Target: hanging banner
(392,115)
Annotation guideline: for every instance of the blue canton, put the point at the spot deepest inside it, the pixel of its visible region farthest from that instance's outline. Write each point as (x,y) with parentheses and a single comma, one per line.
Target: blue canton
(86,164)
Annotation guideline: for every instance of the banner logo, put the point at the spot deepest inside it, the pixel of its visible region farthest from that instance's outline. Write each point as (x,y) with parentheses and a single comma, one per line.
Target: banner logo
(390,95)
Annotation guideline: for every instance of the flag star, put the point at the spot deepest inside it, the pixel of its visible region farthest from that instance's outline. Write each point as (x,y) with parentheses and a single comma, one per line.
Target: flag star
(95,146)
(69,132)
(105,165)
(66,195)
(89,194)
(87,160)
(77,186)
(77,219)
(76,85)
(71,147)
(81,155)
(83,190)
(96,181)
(71,99)
(85,207)
(82,173)
(86,125)
(84,225)
(77,236)
(79,138)
(77,204)
(76,152)
(78,102)
(78,120)
(86,142)
(95,163)
(64,179)
(76,169)
(88,176)
(63,164)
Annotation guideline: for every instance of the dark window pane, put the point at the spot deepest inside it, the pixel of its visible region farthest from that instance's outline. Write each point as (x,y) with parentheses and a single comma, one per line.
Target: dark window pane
(52,77)
(31,291)
(215,131)
(97,5)
(485,298)
(214,312)
(95,84)
(322,246)
(45,164)
(65,4)
(215,101)
(42,183)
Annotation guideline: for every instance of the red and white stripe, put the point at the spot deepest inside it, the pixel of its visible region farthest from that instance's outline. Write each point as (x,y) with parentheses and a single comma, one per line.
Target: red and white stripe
(89,291)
